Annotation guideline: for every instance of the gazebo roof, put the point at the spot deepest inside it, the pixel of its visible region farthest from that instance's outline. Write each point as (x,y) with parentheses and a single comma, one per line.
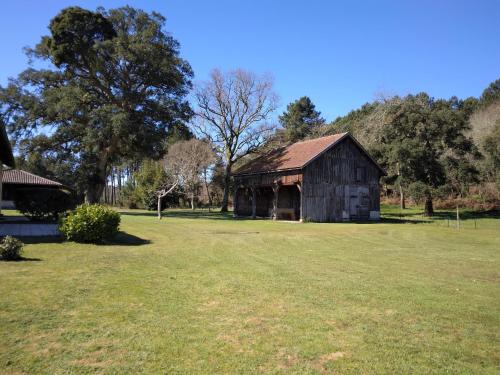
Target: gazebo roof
(19,177)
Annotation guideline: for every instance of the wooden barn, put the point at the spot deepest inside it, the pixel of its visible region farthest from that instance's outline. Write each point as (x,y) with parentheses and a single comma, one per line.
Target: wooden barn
(326,179)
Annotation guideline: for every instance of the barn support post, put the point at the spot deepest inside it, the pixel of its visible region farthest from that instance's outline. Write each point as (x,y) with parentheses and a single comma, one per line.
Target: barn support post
(301,215)
(276,189)
(1,185)
(254,202)
(235,202)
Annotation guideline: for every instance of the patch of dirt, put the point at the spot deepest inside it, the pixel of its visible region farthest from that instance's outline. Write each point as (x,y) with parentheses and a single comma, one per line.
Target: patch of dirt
(207,305)
(92,359)
(331,357)
(286,359)
(289,361)
(211,303)
(320,363)
(254,321)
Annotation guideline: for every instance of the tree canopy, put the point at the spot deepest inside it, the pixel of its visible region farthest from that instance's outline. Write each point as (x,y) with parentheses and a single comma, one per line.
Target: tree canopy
(419,139)
(114,89)
(300,119)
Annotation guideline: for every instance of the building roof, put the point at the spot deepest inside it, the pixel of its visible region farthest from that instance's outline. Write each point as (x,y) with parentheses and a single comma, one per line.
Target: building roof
(6,156)
(19,177)
(295,156)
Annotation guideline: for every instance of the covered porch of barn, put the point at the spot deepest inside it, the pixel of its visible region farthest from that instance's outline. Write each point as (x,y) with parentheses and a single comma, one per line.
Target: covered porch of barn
(269,196)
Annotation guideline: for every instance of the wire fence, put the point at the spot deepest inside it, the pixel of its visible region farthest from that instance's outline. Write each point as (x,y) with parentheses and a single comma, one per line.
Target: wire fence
(466,220)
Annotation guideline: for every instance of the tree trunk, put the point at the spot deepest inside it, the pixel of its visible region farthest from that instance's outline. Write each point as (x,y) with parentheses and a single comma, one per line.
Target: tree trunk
(112,187)
(95,189)
(227,186)
(402,202)
(159,207)
(207,187)
(1,177)
(105,191)
(429,209)
(209,200)
(192,201)
(97,182)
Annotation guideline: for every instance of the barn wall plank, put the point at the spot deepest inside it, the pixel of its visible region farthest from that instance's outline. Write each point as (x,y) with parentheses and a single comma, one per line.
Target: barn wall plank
(329,181)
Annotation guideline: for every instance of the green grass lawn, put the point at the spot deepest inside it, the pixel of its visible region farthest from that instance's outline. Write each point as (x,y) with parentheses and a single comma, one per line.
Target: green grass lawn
(199,293)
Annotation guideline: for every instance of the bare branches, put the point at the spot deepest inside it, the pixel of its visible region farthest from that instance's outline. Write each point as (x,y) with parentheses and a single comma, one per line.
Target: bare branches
(186,162)
(164,191)
(232,111)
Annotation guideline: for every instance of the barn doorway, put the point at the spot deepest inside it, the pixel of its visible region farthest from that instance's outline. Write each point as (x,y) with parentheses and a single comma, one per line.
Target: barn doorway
(260,202)
(288,207)
(264,201)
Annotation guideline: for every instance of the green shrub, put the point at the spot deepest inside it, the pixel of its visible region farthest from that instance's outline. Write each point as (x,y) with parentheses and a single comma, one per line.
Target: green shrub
(418,191)
(43,203)
(92,223)
(10,248)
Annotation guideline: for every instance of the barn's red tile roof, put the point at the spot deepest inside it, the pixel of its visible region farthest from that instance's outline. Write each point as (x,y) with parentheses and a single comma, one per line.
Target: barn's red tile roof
(17,176)
(294,156)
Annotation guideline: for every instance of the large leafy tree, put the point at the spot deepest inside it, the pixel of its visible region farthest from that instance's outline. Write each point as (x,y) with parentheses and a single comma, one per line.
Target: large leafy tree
(300,119)
(114,88)
(491,94)
(423,141)
(491,147)
(485,130)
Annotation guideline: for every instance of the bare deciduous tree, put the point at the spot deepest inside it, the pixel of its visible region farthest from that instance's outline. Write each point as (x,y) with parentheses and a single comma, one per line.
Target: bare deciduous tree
(187,161)
(483,122)
(232,111)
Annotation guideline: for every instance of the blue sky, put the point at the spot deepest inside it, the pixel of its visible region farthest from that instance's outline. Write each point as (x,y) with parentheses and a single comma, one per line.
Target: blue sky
(340,53)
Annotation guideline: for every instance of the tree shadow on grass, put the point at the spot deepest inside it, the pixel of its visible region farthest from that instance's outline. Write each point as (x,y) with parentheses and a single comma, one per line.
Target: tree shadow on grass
(396,220)
(467,215)
(40,239)
(127,239)
(184,214)
(439,216)
(22,259)
(121,239)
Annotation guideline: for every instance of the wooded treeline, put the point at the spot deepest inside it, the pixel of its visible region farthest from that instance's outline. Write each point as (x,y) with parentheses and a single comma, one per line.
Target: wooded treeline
(108,116)
(434,148)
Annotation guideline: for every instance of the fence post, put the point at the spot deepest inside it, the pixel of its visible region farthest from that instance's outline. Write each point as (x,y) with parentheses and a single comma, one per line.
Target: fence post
(458,219)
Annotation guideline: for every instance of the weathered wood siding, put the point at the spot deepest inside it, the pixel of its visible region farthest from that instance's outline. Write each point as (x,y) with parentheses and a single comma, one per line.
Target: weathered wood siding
(341,184)
(269,179)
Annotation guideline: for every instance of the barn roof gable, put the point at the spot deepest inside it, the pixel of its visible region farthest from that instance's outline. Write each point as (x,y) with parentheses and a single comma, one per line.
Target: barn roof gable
(297,155)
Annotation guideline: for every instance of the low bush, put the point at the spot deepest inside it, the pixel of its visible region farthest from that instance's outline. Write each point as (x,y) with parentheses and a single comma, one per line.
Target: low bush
(43,203)
(91,223)
(418,191)
(10,248)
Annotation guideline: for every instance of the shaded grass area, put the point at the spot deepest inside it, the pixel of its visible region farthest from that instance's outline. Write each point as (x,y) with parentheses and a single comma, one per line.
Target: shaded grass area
(468,219)
(200,293)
